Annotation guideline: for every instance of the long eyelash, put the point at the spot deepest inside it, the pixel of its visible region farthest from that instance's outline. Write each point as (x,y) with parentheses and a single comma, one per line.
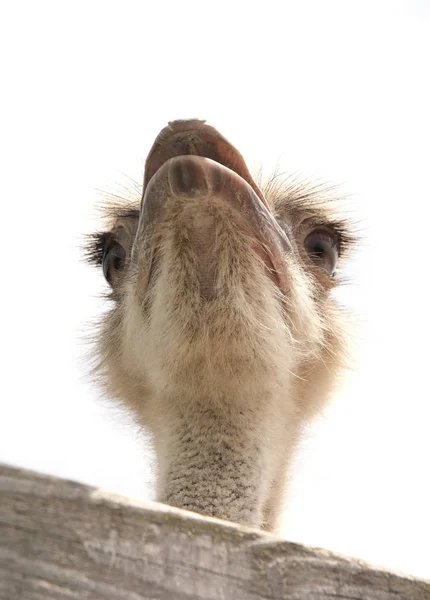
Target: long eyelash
(298,196)
(341,229)
(95,245)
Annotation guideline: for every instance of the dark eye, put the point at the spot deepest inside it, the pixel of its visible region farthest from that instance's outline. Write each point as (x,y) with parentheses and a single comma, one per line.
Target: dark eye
(321,245)
(113,260)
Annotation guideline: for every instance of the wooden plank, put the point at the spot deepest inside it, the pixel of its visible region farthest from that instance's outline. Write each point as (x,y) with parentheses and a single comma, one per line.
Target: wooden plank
(62,540)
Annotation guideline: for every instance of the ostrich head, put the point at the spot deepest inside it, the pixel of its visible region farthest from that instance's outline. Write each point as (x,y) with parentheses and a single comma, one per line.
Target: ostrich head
(223,335)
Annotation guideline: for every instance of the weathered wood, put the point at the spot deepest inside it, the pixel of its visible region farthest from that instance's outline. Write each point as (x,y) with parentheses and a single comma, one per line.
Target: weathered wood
(62,540)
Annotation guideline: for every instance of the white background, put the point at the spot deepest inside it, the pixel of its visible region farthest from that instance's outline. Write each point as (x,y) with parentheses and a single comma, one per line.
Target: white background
(337,90)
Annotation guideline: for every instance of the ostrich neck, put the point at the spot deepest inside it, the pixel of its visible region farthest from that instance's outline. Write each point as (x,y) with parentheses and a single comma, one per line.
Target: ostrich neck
(223,462)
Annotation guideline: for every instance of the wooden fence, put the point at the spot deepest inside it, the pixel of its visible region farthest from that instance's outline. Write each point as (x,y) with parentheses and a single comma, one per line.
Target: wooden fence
(62,540)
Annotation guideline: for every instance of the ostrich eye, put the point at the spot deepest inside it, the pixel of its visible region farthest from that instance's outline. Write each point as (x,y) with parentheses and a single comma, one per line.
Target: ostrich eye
(113,260)
(321,245)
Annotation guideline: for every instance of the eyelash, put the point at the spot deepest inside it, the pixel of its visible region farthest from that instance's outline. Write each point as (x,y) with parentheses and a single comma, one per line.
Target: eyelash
(308,225)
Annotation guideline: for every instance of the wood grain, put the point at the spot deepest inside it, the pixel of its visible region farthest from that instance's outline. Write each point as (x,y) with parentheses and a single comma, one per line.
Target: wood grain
(62,540)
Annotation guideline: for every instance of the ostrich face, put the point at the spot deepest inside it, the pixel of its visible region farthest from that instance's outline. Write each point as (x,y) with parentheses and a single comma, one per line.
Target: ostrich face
(213,279)
(221,291)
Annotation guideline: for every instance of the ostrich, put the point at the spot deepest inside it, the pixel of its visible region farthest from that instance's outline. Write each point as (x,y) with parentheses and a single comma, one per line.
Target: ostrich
(223,338)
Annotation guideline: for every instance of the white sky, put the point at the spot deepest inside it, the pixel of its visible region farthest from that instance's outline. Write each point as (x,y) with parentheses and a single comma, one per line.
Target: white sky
(333,89)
